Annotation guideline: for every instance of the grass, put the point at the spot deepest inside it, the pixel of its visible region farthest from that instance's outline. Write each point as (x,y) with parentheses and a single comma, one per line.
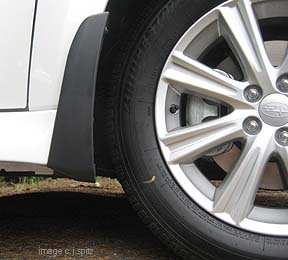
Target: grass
(40,184)
(22,180)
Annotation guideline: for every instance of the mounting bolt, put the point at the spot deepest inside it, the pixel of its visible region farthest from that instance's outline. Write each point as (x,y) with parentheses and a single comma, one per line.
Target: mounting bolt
(282,136)
(174,109)
(282,83)
(252,126)
(253,93)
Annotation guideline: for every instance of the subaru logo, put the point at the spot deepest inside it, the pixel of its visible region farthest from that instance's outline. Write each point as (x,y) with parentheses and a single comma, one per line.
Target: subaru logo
(275,109)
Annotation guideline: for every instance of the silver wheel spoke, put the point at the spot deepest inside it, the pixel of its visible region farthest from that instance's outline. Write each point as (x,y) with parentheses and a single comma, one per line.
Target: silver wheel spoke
(191,76)
(187,144)
(284,67)
(283,153)
(239,27)
(237,193)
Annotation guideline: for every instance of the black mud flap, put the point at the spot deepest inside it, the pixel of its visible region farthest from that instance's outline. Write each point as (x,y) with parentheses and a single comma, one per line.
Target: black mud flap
(72,148)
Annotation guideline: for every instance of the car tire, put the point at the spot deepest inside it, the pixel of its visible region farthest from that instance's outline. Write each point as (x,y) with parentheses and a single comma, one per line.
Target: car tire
(162,204)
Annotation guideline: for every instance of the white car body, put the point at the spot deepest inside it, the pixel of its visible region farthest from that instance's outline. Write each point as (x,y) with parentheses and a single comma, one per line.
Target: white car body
(33,57)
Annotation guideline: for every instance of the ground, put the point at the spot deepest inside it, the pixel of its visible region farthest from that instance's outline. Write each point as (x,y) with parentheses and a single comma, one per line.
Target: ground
(64,219)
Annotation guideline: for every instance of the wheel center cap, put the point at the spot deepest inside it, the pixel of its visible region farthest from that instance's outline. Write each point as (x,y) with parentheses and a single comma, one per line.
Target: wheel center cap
(274,110)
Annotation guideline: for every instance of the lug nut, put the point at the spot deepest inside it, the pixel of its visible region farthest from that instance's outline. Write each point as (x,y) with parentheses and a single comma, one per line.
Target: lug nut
(252,126)
(253,93)
(282,83)
(282,137)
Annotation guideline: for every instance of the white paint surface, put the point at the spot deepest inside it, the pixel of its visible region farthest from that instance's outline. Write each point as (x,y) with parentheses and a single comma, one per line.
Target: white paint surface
(16,23)
(56,26)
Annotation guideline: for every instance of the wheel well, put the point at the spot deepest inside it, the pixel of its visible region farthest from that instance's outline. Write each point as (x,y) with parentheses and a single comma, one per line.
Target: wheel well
(123,15)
